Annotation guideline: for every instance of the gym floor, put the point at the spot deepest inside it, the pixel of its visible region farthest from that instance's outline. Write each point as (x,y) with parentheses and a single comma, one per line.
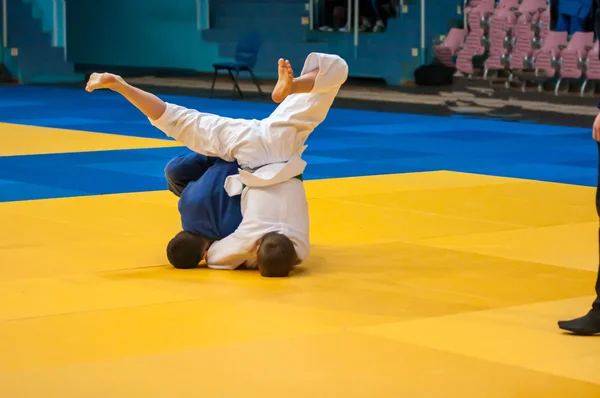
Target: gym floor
(444,251)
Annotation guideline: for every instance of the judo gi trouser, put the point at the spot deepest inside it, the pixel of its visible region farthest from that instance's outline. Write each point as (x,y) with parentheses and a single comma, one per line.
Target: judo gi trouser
(204,205)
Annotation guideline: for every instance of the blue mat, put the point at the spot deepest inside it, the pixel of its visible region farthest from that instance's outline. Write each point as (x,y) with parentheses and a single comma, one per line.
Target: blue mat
(348,143)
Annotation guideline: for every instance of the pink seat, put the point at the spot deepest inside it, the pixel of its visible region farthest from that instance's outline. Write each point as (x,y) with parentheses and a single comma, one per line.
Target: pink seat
(494,62)
(523,49)
(501,23)
(526,38)
(545,61)
(592,67)
(476,13)
(532,8)
(506,7)
(541,22)
(446,51)
(577,49)
(522,52)
(572,58)
(529,12)
(473,47)
(472,4)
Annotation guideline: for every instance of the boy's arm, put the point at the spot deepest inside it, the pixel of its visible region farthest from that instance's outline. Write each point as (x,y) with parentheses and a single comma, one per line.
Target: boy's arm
(235,249)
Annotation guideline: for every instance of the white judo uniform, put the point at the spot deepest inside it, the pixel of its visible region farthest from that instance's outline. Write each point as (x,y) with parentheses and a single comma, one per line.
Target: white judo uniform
(269,154)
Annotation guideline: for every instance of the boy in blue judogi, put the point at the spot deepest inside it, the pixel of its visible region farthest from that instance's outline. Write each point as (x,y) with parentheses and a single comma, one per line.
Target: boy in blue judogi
(207,212)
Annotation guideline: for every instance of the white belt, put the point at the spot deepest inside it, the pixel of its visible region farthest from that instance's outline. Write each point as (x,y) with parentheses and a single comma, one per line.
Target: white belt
(266,176)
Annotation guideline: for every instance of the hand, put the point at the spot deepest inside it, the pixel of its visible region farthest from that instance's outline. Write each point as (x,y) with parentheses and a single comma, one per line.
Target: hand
(103,80)
(596,128)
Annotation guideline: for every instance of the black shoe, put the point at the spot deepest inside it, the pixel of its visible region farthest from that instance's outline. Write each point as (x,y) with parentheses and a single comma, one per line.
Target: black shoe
(587,325)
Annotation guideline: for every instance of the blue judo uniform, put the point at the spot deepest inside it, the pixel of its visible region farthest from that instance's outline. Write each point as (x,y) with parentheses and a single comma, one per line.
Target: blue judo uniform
(204,205)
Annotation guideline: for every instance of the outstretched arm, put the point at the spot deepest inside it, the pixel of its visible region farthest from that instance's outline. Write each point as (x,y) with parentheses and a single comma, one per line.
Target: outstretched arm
(234,250)
(205,133)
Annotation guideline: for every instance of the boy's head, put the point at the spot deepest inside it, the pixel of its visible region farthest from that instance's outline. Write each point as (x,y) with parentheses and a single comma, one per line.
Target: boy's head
(276,256)
(186,250)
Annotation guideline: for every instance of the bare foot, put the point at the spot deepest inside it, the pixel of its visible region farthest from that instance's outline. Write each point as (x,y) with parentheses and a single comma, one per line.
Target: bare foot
(103,80)
(283,88)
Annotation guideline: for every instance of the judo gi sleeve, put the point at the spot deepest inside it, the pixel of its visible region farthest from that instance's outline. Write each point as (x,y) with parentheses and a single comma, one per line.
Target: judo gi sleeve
(234,250)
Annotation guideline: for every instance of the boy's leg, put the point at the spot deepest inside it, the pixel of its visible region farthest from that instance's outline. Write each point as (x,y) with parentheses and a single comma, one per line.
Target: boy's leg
(306,100)
(149,104)
(287,84)
(322,73)
(204,133)
(182,170)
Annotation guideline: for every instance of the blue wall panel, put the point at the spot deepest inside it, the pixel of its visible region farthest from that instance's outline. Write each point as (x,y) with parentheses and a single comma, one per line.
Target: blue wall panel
(165,34)
(144,33)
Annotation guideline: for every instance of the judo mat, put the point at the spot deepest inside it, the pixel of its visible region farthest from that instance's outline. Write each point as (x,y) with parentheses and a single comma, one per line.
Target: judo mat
(444,250)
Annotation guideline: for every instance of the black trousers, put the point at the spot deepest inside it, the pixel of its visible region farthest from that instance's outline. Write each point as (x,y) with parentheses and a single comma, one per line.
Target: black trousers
(596,304)
(329,17)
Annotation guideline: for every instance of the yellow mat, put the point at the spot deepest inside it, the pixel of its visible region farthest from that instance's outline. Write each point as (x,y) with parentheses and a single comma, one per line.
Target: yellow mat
(29,140)
(418,285)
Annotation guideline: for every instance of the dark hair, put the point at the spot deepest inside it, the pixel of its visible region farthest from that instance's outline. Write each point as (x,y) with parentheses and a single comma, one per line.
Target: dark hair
(276,256)
(186,249)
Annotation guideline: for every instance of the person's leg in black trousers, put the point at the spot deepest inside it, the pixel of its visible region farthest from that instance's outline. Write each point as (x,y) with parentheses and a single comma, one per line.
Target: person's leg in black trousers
(596,304)
(378,14)
(589,324)
(330,20)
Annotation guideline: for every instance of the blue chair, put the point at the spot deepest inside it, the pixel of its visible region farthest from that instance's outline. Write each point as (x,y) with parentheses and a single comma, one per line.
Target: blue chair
(246,55)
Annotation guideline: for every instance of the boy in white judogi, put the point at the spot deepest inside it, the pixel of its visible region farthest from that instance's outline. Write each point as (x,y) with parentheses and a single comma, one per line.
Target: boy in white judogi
(274,208)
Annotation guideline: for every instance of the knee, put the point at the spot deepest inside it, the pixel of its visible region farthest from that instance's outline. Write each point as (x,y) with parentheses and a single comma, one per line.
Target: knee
(171,170)
(173,177)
